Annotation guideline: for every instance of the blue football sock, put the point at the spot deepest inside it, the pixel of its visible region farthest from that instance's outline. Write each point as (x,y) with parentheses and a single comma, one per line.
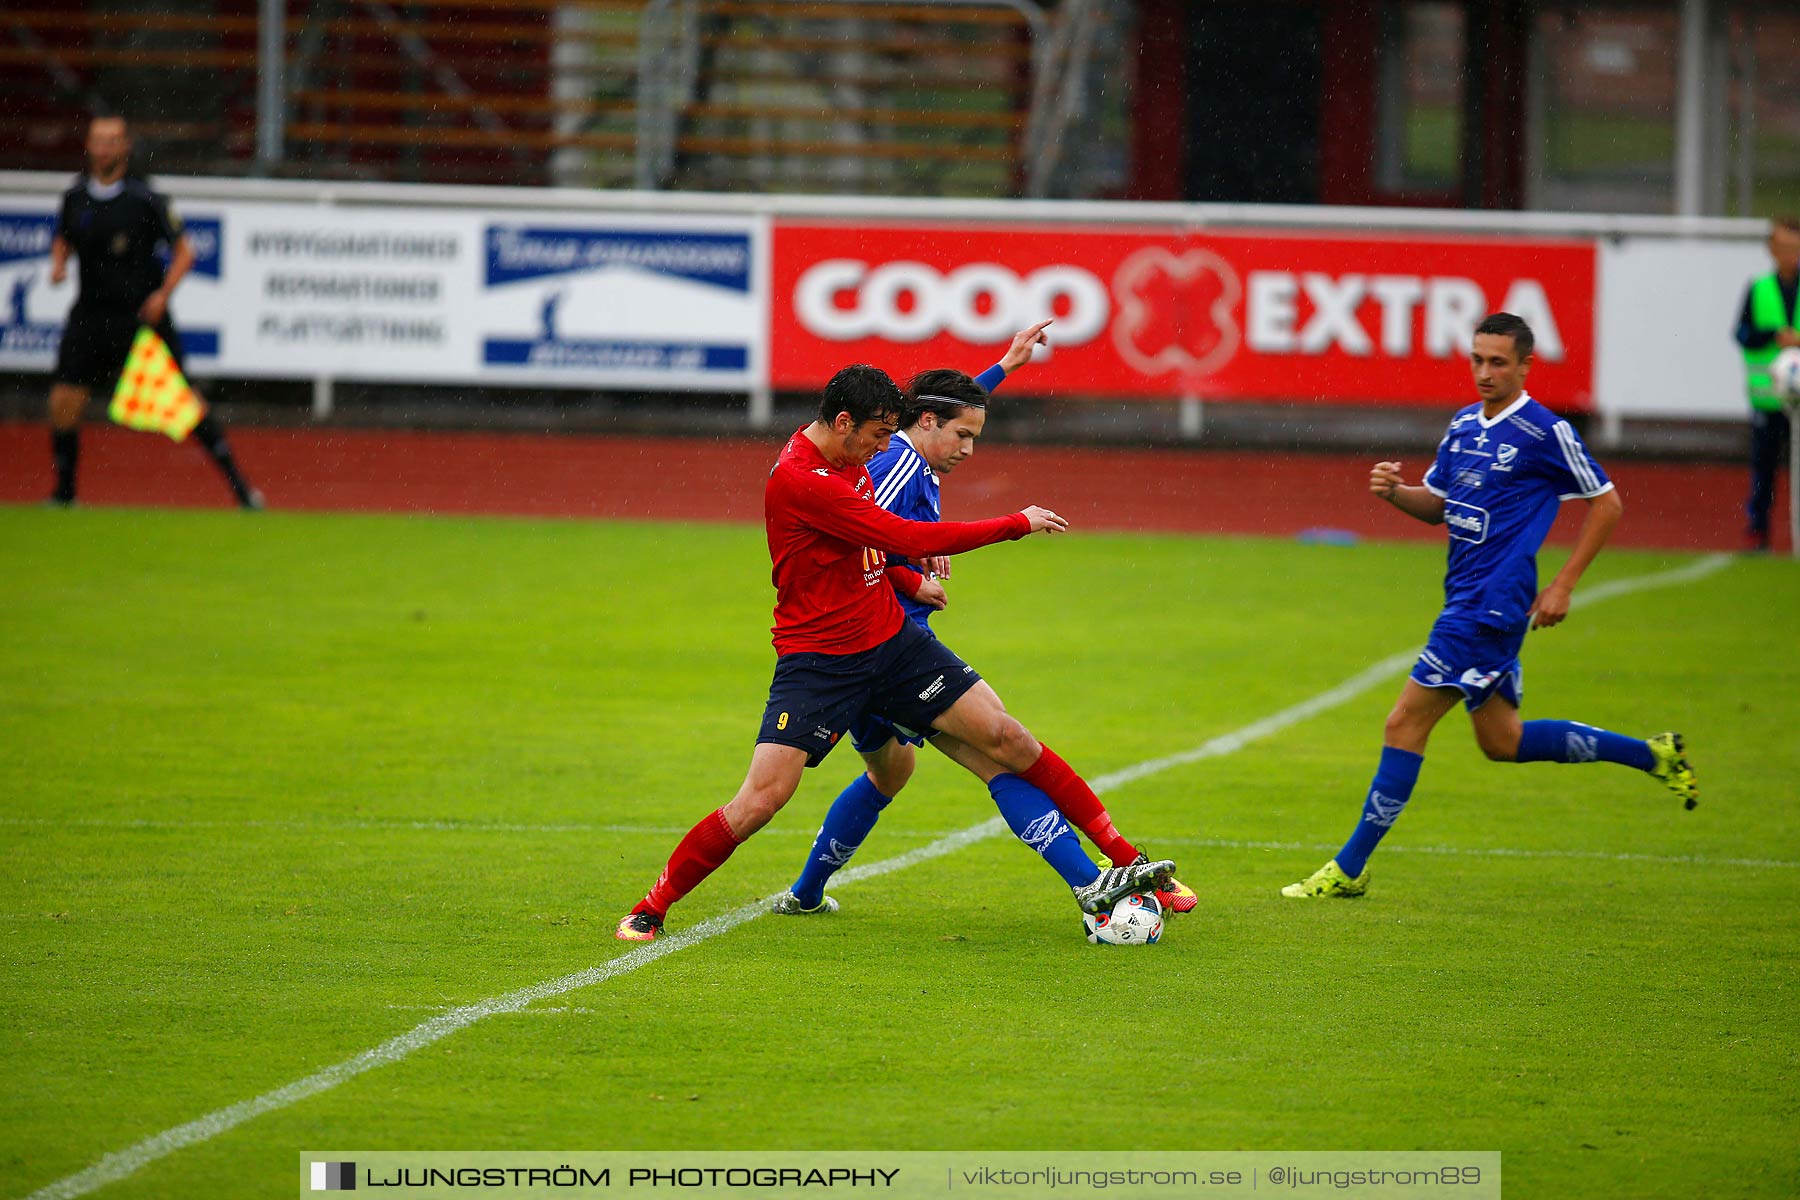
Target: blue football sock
(1388,794)
(1573,742)
(851,816)
(1031,815)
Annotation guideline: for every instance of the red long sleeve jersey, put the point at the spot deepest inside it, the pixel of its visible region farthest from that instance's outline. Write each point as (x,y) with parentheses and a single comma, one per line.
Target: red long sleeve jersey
(829,543)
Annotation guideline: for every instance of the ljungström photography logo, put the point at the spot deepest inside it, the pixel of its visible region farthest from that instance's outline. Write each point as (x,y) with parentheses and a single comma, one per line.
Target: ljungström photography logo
(334,1177)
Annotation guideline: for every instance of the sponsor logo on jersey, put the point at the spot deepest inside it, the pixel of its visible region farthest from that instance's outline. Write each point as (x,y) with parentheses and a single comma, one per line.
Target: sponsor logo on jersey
(1467,522)
(874,564)
(1469,478)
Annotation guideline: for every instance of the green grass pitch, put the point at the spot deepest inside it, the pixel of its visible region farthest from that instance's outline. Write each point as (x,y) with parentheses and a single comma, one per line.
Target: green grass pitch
(276,789)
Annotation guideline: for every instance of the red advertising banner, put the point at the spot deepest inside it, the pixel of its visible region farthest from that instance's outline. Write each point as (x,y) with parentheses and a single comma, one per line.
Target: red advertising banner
(1154,314)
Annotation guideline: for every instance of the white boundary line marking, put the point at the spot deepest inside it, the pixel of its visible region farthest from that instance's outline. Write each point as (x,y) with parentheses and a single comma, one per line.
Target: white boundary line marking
(121,1163)
(1673,860)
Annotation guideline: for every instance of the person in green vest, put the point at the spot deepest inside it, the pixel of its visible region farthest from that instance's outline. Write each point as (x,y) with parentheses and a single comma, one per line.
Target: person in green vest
(1768,324)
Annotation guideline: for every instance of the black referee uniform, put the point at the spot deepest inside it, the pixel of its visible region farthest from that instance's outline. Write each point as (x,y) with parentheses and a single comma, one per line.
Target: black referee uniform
(119,233)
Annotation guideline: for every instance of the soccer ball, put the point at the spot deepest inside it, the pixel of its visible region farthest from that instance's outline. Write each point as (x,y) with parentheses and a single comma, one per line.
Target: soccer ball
(1785,373)
(1137,920)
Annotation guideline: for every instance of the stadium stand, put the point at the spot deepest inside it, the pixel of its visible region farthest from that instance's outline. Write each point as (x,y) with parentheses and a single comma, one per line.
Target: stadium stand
(974,98)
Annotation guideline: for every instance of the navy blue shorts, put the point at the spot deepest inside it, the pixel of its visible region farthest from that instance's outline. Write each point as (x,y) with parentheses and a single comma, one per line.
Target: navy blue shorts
(1477,660)
(869,733)
(816,698)
(97,341)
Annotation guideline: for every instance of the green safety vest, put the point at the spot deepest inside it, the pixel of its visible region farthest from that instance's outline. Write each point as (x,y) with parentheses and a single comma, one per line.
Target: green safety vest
(1766,312)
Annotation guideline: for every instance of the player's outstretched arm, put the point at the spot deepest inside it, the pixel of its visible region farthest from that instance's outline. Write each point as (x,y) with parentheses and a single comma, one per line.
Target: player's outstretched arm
(1552,604)
(828,504)
(1419,503)
(1023,344)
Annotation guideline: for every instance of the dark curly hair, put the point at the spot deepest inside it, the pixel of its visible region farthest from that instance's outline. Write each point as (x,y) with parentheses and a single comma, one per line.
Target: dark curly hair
(865,392)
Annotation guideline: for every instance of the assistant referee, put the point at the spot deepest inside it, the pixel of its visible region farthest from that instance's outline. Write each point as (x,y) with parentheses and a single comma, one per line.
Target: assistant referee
(117,228)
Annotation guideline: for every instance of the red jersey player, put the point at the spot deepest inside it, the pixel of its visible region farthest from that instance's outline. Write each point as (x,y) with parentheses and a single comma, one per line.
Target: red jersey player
(845,648)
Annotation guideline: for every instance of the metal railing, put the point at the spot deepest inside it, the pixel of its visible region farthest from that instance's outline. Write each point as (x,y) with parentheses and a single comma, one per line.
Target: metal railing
(671,73)
(974,97)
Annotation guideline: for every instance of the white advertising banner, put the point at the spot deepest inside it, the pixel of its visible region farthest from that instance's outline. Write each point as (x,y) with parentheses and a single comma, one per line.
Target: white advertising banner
(300,281)
(1666,316)
(296,291)
(355,294)
(31,319)
(640,301)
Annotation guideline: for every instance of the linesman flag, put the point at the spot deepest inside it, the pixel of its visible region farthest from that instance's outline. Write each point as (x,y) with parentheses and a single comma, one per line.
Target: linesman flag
(153,395)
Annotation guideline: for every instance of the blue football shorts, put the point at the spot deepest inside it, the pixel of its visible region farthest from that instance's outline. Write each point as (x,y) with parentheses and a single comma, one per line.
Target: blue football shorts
(869,733)
(1475,659)
(816,698)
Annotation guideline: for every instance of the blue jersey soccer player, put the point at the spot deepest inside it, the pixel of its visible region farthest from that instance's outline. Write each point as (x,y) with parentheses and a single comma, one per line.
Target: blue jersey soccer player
(944,415)
(1504,466)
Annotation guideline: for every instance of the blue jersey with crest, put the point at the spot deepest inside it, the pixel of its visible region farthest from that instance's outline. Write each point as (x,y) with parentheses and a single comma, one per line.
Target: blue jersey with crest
(906,486)
(1501,481)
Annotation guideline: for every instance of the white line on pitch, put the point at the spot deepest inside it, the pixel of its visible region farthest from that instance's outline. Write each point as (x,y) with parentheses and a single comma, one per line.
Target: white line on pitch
(119,1164)
(1673,860)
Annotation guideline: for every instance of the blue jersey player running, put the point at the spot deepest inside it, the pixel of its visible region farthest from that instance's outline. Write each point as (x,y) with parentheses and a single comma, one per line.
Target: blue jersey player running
(1504,466)
(945,413)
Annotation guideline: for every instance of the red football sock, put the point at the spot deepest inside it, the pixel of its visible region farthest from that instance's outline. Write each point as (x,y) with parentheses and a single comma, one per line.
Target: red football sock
(703,851)
(1070,793)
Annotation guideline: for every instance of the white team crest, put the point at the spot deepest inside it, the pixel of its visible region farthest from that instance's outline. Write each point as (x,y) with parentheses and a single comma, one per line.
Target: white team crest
(1581,748)
(1478,679)
(1386,809)
(1041,832)
(838,854)
(1504,458)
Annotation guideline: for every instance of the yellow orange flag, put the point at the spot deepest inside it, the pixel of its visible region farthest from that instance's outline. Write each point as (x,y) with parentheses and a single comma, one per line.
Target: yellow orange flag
(153,394)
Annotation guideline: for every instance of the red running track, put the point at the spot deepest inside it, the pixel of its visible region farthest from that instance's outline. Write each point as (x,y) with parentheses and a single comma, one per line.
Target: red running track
(1675,506)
